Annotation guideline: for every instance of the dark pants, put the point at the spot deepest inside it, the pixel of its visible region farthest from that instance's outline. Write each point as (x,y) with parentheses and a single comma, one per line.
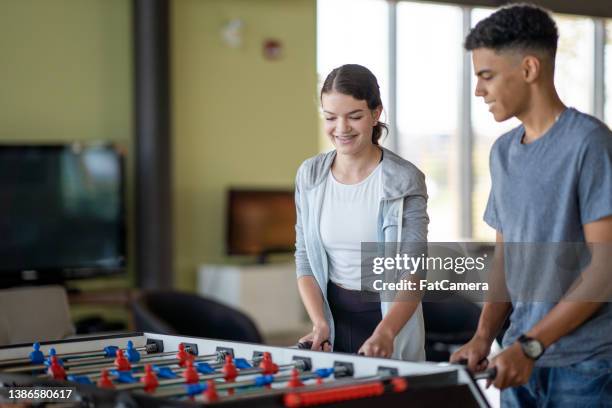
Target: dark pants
(356,314)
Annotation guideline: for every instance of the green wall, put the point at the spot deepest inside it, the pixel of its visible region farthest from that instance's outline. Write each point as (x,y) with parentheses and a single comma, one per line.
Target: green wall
(238,119)
(66,70)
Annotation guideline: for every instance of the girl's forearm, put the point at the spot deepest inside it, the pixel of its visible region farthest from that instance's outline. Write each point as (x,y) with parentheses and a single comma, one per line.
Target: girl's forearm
(312,299)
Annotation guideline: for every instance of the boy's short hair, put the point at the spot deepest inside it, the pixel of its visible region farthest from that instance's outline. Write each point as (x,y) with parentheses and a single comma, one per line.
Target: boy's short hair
(520,26)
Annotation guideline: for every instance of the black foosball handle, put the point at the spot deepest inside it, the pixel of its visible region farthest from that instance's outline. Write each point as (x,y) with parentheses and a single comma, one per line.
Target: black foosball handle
(307,345)
(488,374)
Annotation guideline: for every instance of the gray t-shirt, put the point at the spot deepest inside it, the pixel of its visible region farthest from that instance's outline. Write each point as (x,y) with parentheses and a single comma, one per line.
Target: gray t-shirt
(544,192)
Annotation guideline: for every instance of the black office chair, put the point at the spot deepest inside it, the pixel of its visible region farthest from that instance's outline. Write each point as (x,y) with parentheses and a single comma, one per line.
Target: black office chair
(449,323)
(171,312)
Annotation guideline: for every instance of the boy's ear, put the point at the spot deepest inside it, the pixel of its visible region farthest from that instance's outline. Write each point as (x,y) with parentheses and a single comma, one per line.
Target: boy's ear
(531,68)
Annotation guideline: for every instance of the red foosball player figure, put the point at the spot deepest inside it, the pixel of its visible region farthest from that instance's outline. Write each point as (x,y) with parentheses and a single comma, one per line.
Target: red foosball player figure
(56,370)
(190,374)
(121,363)
(211,391)
(230,372)
(183,356)
(295,381)
(149,379)
(105,381)
(267,366)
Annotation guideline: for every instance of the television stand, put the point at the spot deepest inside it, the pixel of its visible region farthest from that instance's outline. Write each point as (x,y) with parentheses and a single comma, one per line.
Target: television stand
(262,257)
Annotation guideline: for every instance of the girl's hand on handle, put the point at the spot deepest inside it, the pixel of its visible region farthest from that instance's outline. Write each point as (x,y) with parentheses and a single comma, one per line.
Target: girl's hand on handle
(318,338)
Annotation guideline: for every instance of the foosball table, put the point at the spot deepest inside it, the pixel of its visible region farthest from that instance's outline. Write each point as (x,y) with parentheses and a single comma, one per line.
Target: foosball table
(153,370)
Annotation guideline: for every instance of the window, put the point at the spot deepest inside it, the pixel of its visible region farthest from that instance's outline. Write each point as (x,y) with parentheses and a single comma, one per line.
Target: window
(428,67)
(574,63)
(353,32)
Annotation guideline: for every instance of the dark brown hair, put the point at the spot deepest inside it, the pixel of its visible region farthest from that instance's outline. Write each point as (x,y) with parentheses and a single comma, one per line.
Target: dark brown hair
(360,83)
(519,26)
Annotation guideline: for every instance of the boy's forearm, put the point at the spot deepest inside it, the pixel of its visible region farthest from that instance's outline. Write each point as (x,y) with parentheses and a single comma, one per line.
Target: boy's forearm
(399,313)
(564,318)
(492,320)
(591,289)
(583,300)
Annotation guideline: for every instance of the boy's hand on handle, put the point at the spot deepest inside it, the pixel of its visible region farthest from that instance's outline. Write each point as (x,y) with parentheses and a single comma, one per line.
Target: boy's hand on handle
(475,352)
(318,338)
(513,368)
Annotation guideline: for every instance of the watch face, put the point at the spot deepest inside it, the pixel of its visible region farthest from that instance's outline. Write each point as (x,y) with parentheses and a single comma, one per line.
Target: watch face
(533,348)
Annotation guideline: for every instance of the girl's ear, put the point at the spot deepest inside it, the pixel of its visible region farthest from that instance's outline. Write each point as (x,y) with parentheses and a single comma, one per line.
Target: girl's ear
(376,114)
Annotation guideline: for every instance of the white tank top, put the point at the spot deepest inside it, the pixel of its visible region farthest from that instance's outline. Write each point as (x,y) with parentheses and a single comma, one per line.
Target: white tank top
(349,217)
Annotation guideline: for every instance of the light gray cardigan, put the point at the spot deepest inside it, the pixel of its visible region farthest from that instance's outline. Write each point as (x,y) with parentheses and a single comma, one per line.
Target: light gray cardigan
(402,217)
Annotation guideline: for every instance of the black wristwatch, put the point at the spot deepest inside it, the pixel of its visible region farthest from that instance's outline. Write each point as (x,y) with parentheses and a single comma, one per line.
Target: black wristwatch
(532,348)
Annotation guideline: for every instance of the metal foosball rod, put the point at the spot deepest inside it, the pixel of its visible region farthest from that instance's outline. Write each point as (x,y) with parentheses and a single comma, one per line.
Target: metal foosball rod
(100,363)
(78,360)
(108,352)
(97,360)
(151,359)
(132,352)
(180,363)
(94,370)
(294,381)
(121,363)
(175,368)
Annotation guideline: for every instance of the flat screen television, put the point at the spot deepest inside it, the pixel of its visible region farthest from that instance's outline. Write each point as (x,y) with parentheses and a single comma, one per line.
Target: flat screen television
(61,213)
(260,222)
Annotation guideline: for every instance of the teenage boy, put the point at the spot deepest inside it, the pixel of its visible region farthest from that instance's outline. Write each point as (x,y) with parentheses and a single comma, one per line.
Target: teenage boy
(551,183)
